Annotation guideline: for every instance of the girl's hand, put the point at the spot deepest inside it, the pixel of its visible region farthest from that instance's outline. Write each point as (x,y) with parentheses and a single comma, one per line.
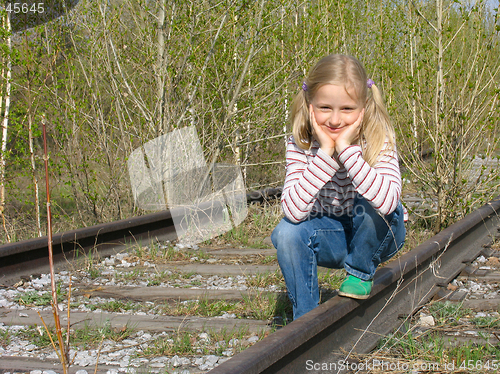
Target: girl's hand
(326,143)
(349,134)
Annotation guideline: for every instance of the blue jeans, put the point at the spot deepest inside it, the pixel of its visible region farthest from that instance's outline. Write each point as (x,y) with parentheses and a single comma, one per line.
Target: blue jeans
(358,242)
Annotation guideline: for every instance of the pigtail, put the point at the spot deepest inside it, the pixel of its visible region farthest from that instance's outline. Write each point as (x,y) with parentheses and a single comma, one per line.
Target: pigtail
(377,128)
(301,124)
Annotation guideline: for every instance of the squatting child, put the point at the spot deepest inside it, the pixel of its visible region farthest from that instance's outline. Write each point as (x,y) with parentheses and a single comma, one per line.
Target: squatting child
(341,196)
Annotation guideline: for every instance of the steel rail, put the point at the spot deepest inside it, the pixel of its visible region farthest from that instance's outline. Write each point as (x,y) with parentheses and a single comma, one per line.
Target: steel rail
(328,333)
(32,254)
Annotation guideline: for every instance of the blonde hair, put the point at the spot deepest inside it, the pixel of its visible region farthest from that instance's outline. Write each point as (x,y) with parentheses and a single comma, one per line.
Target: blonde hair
(376,127)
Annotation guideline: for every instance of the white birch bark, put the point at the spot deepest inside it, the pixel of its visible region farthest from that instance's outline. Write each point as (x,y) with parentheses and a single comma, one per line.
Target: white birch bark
(5,126)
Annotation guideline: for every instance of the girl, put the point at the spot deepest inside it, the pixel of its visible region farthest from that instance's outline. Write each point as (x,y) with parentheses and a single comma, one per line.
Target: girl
(342,184)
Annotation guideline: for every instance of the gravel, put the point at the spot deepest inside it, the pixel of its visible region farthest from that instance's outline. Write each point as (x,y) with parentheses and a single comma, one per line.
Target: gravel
(124,356)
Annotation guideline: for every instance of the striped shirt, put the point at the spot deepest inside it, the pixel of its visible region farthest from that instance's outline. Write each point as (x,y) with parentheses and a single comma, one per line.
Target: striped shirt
(316,183)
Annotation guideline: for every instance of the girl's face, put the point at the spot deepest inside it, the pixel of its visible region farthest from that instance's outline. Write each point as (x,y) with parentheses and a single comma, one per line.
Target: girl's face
(335,109)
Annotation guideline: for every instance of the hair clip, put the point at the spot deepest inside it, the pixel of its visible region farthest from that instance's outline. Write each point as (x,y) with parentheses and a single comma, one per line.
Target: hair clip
(304,86)
(370,83)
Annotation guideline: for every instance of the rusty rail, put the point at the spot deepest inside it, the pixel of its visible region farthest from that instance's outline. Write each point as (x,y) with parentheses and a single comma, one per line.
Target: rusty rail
(340,325)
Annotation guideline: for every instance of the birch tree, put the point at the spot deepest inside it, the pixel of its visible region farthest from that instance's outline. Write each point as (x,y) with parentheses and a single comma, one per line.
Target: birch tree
(5,109)
(458,117)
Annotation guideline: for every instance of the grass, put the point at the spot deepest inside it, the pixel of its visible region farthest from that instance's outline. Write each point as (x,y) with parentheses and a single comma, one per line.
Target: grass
(410,347)
(264,280)
(92,261)
(87,337)
(434,347)
(5,336)
(269,260)
(161,253)
(331,278)
(486,322)
(258,305)
(154,282)
(188,344)
(477,353)
(39,298)
(447,313)
(200,308)
(129,275)
(265,306)
(175,344)
(90,337)
(258,225)
(170,276)
(115,306)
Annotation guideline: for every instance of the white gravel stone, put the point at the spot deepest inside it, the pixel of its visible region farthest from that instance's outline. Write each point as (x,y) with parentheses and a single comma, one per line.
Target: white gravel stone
(253,339)
(41,282)
(426,321)
(211,360)
(474,287)
(199,361)
(157,365)
(471,333)
(481,259)
(124,361)
(129,342)
(176,362)
(227,315)
(4,303)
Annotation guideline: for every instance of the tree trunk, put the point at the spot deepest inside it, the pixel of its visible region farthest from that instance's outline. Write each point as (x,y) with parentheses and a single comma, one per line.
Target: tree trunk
(439,121)
(5,125)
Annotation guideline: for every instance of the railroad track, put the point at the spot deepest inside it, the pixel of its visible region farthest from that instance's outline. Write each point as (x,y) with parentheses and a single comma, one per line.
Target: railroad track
(325,335)
(30,256)
(339,326)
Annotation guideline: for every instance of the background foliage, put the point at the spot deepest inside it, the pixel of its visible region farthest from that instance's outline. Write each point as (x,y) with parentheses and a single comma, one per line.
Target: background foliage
(111,75)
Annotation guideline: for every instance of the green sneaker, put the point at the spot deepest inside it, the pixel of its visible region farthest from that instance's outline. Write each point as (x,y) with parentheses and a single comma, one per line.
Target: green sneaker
(355,288)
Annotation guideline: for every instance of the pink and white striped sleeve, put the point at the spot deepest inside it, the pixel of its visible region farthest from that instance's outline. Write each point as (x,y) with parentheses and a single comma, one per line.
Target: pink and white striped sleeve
(304,180)
(380,185)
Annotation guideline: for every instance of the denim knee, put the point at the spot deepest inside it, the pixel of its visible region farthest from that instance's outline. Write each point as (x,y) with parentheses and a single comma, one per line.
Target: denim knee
(287,234)
(376,238)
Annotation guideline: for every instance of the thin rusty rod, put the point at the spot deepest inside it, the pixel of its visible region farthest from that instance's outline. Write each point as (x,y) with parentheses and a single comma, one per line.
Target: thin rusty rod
(55,307)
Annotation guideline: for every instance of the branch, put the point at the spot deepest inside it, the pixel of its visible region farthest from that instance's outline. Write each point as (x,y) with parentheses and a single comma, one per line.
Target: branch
(423,17)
